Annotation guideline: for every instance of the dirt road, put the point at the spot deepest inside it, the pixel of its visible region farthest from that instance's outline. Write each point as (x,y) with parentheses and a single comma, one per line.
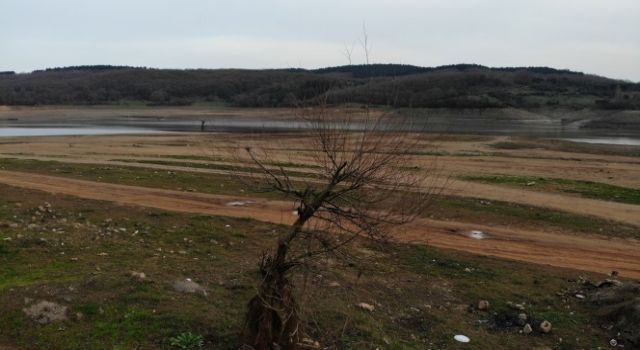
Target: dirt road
(589,253)
(621,212)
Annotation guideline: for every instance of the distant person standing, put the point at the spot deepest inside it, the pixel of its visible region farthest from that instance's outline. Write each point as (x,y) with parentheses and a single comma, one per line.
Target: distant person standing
(202,122)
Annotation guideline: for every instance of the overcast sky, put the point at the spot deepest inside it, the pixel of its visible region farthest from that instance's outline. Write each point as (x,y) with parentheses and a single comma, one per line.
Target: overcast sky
(595,36)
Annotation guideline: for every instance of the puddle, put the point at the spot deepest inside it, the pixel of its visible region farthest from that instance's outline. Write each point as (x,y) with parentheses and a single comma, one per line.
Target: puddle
(625,141)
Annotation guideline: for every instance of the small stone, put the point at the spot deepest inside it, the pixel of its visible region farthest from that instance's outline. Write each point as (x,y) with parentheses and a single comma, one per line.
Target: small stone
(188,286)
(518,307)
(334,284)
(545,326)
(527,329)
(522,318)
(365,306)
(483,305)
(140,276)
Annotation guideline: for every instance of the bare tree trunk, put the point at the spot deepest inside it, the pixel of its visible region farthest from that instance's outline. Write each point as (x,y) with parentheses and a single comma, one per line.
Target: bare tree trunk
(272,320)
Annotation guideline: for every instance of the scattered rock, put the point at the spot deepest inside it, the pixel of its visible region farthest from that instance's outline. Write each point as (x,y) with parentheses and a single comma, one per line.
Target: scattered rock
(139,276)
(522,319)
(365,306)
(545,326)
(514,306)
(527,329)
(483,305)
(620,311)
(46,312)
(188,286)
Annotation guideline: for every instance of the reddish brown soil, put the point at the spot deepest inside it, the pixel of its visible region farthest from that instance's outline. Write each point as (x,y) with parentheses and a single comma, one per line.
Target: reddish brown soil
(587,252)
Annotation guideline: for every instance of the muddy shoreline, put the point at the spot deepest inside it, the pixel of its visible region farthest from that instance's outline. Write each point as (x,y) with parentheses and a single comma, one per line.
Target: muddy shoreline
(505,121)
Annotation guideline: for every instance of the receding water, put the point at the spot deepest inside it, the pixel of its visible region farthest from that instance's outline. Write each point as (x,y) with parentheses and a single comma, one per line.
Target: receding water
(71,131)
(625,141)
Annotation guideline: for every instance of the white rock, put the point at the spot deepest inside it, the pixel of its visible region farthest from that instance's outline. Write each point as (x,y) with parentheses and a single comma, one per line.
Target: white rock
(366,306)
(545,326)
(462,338)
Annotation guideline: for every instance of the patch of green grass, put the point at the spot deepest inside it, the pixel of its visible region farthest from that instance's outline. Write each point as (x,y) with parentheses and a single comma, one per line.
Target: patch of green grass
(476,277)
(506,214)
(135,176)
(567,146)
(12,276)
(420,293)
(3,249)
(447,208)
(587,189)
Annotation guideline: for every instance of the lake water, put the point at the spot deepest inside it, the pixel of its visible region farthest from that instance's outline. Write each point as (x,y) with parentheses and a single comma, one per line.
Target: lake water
(71,131)
(625,141)
(235,125)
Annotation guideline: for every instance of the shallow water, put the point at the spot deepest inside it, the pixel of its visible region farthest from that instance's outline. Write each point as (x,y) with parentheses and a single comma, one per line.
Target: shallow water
(625,141)
(71,131)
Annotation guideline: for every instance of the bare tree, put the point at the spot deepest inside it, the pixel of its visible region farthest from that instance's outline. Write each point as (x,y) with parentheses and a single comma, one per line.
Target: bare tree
(364,42)
(362,187)
(347,52)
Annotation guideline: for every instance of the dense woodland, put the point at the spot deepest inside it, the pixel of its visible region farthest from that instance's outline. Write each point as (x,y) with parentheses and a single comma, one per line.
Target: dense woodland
(455,86)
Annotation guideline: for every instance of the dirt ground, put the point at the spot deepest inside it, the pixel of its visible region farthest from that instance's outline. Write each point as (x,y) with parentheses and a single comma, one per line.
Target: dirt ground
(446,157)
(593,253)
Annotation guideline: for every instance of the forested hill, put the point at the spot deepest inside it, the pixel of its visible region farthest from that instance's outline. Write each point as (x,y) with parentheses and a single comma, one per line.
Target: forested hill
(454,86)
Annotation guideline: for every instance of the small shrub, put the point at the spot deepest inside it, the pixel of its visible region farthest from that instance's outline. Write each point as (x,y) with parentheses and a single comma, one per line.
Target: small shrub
(187,341)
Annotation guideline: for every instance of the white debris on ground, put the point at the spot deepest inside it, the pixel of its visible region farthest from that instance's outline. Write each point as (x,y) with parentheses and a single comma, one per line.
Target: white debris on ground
(365,306)
(238,203)
(188,286)
(476,234)
(462,338)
